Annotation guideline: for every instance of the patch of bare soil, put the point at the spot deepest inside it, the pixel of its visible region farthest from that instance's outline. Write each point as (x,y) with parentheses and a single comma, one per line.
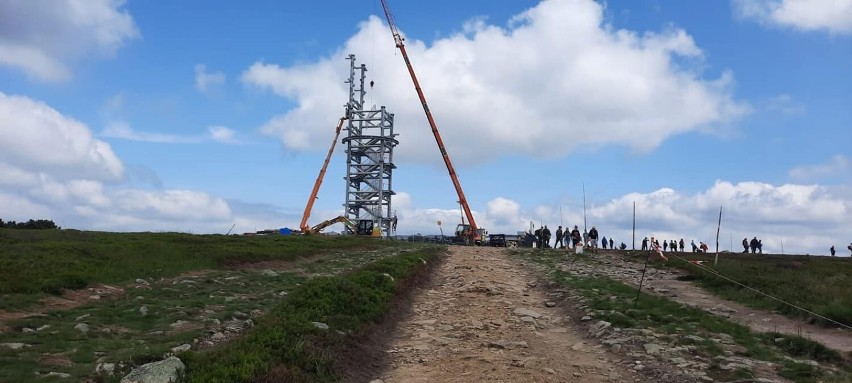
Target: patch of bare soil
(68,300)
(665,282)
(481,319)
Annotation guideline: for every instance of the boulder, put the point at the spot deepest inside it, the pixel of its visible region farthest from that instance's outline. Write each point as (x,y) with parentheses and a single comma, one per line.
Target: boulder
(164,371)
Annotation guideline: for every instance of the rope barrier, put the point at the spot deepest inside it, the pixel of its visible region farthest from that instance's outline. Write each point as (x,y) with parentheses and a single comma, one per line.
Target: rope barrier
(716,273)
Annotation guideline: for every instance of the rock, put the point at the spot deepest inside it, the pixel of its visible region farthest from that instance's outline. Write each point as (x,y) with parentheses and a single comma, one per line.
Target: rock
(141,281)
(105,368)
(240,315)
(42,328)
(95,297)
(56,374)
(182,348)
(695,338)
(178,324)
(550,304)
(82,327)
(81,317)
(27,330)
(549,371)
(507,344)
(377,381)
(526,313)
(143,310)
(164,371)
(269,273)
(14,346)
(530,320)
(320,325)
(616,348)
(388,276)
(653,348)
(586,318)
(218,336)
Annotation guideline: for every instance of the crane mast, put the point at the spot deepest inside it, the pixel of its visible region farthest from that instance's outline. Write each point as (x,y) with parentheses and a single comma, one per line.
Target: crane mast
(399,40)
(310,205)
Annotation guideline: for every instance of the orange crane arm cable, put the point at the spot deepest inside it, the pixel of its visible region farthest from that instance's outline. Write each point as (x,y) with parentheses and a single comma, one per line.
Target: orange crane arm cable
(307,214)
(399,44)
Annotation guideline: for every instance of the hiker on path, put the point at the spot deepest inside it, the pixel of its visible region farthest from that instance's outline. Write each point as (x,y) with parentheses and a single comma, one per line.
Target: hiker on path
(753,245)
(611,244)
(559,242)
(831,250)
(575,237)
(745,245)
(546,234)
(593,237)
(603,243)
(644,243)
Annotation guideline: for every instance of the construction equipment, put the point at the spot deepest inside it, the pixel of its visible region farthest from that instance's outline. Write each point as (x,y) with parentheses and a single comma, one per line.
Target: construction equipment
(469,230)
(310,205)
(363,227)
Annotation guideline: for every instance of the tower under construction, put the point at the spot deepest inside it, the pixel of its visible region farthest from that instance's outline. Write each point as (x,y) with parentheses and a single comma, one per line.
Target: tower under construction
(369,156)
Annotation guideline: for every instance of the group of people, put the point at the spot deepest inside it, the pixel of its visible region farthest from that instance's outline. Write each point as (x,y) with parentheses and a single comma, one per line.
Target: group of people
(672,245)
(755,244)
(848,247)
(572,238)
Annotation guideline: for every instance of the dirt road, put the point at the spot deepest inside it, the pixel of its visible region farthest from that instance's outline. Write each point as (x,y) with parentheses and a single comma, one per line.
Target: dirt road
(482,319)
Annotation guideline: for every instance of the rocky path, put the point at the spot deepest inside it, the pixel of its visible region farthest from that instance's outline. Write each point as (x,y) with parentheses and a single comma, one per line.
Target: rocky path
(665,282)
(482,319)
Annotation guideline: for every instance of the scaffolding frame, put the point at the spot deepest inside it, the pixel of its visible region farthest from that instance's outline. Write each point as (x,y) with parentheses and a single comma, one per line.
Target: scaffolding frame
(369,144)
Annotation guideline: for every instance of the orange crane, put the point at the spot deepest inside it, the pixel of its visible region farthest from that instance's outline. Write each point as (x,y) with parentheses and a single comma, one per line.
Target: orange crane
(469,231)
(304,225)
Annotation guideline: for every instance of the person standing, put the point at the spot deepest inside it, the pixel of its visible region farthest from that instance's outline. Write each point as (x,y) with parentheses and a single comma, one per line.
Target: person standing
(831,250)
(559,242)
(753,245)
(593,237)
(682,247)
(575,236)
(849,247)
(665,245)
(694,248)
(546,234)
(745,245)
(611,244)
(645,244)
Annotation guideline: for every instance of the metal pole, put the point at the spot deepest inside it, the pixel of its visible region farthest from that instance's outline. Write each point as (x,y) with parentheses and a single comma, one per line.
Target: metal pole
(641,280)
(717,236)
(585,225)
(634,225)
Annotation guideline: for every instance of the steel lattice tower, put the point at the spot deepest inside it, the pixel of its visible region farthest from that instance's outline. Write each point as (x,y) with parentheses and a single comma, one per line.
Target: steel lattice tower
(369,156)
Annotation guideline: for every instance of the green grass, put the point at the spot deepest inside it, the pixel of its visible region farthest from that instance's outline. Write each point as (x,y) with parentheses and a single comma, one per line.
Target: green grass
(817,284)
(616,302)
(221,293)
(47,261)
(286,346)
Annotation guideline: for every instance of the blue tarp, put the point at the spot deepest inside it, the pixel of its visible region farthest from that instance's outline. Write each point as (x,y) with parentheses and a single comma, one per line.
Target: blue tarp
(285,231)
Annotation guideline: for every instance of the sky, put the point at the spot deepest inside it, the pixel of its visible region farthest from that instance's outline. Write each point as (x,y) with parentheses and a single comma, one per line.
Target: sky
(215,116)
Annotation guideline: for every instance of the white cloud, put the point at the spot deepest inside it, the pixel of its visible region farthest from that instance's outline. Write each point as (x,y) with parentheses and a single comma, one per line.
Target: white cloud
(838,167)
(221,134)
(51,167)
(207,81)
(558,78)
(785,104)
(35,138)
(41,37)
(834,16)
(122,130)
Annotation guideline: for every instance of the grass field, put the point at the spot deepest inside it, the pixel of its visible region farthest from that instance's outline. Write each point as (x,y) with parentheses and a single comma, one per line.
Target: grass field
(230,289)
(34,263)
(819,284)
(616,302)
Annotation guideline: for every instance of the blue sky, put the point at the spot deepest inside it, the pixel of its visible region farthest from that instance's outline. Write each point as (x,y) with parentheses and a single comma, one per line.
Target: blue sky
(198,115)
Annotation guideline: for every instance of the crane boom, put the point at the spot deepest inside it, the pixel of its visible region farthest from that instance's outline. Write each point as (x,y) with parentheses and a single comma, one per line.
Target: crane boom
(307,214)
(400,44)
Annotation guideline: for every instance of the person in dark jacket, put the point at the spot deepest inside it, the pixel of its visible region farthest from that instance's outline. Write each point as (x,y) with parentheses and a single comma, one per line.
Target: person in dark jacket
(546,236)
(593,237)
(559,242)
(753,245)
(576,237)
(745,245)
